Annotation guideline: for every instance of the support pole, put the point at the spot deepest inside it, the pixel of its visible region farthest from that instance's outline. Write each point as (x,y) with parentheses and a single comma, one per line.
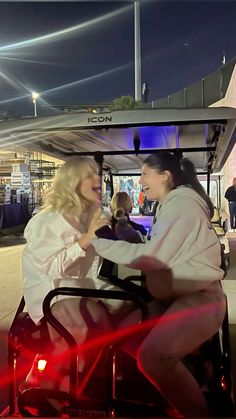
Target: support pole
(137,50)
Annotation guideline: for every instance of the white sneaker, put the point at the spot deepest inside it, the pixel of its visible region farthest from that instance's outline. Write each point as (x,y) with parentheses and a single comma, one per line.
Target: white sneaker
(231,230)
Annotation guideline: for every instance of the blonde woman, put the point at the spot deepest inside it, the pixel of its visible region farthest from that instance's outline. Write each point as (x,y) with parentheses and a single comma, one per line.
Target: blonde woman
(121,207)
(57,252)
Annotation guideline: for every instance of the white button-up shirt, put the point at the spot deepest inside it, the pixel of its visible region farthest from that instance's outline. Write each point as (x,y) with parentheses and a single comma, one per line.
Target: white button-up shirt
(52,258)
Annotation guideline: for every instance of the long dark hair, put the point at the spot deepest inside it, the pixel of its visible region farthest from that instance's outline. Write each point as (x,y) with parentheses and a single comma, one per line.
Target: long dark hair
(183,172)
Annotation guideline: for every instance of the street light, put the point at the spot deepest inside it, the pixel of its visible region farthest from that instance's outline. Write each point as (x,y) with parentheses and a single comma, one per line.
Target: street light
(34,99)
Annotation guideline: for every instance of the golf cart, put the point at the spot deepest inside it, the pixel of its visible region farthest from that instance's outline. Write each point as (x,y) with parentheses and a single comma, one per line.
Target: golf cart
(121,140)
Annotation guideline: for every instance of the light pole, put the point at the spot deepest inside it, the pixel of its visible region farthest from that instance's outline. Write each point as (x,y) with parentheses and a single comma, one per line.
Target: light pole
(34,99)
(137,50)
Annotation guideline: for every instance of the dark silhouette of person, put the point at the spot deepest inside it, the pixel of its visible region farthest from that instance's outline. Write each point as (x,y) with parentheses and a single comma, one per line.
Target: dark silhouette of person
(230,195)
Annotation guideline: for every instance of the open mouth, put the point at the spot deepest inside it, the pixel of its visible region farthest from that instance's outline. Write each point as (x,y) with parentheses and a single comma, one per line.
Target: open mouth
(145,189)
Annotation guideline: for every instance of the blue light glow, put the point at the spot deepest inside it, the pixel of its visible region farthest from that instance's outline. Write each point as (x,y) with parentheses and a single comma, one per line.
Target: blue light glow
(157,137)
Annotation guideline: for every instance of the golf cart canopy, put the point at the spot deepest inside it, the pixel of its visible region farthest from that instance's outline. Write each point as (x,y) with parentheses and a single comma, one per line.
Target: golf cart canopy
(125,138)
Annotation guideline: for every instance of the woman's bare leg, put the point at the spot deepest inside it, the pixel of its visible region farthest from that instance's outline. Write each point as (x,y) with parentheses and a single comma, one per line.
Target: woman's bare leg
(178,386)
(188,323)
(68,313)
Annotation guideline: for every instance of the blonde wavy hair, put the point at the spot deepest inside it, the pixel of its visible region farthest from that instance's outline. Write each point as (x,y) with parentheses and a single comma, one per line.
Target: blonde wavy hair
(62,196)
(121,200)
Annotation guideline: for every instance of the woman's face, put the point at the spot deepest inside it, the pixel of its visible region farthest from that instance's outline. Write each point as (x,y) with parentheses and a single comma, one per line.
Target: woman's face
(90,188)
(155,184)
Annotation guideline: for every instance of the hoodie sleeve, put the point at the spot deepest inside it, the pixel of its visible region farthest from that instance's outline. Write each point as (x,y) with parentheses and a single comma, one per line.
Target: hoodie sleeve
(46,247)
(174,232)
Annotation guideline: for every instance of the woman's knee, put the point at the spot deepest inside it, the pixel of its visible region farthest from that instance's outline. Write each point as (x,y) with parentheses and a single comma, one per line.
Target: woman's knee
(151,360)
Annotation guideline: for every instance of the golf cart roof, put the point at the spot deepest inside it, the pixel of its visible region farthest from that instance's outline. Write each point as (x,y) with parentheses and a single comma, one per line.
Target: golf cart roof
(206,136)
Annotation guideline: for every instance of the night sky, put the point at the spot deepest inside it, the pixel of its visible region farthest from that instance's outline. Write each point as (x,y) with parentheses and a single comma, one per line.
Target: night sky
(182,41)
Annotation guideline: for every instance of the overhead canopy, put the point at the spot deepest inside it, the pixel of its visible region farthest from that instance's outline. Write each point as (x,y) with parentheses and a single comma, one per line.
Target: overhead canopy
(206,136)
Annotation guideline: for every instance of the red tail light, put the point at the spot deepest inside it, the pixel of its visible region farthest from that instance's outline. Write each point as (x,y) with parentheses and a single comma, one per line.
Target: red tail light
(223,383)
(41,364)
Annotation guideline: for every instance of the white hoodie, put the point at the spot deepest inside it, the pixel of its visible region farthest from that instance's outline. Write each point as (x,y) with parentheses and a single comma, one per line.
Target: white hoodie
(183,255)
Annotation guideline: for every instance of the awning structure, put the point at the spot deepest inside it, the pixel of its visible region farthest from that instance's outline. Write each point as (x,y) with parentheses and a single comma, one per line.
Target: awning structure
(206,136)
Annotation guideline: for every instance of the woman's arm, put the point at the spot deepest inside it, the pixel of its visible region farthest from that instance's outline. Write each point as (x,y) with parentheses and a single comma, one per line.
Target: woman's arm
(50,245)
(175,230)
(46,248)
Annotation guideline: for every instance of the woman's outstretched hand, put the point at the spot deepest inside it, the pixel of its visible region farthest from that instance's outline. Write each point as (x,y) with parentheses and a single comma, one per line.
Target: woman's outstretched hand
(98,220)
